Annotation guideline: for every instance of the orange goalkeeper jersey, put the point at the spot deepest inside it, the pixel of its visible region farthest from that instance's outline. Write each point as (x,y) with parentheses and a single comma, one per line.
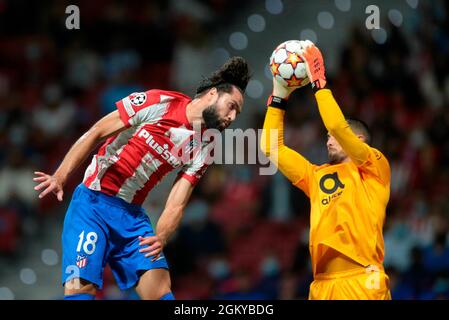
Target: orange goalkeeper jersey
(348,200)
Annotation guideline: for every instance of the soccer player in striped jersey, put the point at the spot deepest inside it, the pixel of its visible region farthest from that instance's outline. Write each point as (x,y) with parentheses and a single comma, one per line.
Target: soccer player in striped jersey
(348,195)
(148,136)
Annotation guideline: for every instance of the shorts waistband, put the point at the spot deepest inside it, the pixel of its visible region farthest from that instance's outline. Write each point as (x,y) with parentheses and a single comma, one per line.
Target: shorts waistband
(112,200)
(348,273)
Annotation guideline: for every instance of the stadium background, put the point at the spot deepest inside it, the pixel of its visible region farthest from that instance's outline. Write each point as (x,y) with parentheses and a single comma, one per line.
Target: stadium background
(243,235)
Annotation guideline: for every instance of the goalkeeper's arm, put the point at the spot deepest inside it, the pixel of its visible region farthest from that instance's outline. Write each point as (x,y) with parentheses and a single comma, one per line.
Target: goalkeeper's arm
(330,112)
(293,165)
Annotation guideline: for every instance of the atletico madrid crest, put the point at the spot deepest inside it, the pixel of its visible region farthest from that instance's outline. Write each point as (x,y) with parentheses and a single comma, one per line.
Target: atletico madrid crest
(81,261)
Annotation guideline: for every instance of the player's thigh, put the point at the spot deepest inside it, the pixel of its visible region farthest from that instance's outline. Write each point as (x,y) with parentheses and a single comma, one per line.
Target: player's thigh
(127,263)
(84,245)
(153,284)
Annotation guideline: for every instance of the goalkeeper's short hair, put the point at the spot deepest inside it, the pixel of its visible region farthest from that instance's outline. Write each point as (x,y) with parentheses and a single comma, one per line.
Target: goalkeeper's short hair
(360,127)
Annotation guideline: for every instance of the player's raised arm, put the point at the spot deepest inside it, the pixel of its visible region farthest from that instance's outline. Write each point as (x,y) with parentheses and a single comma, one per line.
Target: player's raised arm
(169,220)
(109,125)
(293,165)
(188,177)
(330,112)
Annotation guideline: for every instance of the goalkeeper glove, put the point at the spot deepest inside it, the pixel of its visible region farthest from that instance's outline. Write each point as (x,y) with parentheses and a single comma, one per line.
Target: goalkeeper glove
(280,94)
(280,90)
(314,65)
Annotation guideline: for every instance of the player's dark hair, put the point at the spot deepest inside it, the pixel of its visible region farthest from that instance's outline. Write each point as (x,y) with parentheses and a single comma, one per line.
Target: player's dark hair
(360,127)
(235,72)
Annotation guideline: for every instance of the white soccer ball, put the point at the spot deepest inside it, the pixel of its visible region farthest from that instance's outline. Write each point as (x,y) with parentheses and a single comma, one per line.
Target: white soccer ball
(287,66)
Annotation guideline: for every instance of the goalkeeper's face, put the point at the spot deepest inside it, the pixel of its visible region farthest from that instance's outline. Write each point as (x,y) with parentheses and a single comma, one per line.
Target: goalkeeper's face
(335,152)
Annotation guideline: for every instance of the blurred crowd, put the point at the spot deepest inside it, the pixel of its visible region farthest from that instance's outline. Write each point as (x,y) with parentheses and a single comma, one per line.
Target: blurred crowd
(243,236)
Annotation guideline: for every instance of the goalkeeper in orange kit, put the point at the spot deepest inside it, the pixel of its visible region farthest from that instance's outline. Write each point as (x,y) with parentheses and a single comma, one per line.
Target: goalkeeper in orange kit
(348,195)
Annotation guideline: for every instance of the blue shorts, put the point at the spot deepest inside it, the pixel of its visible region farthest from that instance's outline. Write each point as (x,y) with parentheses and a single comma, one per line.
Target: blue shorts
(100,229)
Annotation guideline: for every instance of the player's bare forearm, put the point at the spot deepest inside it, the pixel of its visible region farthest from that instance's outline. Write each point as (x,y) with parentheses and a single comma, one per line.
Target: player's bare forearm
(107,126)
(76,155)
(104,128)
(174,209)
(167,224)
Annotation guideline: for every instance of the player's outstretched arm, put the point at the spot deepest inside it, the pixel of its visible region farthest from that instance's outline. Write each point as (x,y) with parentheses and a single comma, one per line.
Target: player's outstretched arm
(292,164)
(108,126)
(169,220)
(330,112)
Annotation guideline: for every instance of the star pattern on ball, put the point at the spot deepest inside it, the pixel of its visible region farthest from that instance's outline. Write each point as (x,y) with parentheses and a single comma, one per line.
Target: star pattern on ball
(293,81)
(293,59)
(275,68)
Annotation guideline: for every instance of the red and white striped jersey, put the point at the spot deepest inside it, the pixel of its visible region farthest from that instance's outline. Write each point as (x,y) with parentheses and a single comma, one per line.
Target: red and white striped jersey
(158,140)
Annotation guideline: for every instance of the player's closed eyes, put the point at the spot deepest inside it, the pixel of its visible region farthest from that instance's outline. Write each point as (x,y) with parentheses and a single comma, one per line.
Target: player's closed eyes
(235,107)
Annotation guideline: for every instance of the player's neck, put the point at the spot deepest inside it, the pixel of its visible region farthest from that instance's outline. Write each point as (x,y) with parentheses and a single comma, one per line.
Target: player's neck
(340,161)
(346,160)
(194,112)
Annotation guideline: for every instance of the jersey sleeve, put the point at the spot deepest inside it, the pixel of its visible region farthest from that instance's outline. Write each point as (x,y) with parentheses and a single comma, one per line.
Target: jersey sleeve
(336,124)
(376,165)
(366,158)
(292,164)
(141,107)
(194,170)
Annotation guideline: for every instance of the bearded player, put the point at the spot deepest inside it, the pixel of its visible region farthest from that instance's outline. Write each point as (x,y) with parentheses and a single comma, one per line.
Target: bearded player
(147,137)
(348,195)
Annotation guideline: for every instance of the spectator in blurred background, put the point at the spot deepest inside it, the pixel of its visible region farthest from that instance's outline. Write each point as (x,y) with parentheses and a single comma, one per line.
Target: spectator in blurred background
(409,117)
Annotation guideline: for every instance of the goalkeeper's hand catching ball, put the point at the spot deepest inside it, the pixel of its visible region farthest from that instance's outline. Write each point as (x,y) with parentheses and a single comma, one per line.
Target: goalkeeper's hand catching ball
(314,64)
(280,90)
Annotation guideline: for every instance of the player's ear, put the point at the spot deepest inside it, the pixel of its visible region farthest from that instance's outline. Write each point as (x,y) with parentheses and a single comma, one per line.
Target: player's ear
(213,91)
(211,95)
(362,137)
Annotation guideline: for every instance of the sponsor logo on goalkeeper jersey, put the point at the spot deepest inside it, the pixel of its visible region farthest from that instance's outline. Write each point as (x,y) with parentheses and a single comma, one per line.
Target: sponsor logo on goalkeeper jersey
(331,185)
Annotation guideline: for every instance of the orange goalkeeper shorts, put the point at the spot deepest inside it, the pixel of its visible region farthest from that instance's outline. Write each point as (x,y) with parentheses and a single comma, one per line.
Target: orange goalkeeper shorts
(369,283)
